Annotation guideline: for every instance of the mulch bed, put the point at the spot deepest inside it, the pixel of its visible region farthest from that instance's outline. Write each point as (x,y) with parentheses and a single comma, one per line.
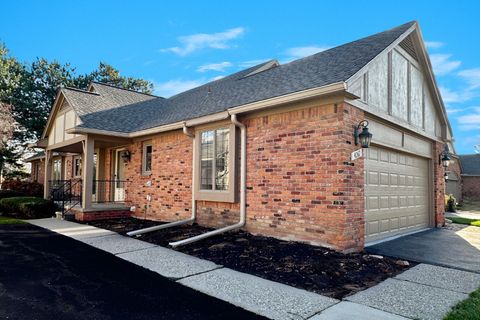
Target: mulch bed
(300,265)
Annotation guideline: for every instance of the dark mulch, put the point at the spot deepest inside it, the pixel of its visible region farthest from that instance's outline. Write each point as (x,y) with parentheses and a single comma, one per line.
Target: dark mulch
(300,265)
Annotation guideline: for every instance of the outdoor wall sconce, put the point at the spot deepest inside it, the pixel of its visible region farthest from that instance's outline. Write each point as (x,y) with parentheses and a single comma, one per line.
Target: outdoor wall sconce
(126,156)
(444,157)
(364,137)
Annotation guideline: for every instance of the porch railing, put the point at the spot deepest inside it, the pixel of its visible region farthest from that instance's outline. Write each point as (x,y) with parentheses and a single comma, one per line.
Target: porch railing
(105,191)
(68,193)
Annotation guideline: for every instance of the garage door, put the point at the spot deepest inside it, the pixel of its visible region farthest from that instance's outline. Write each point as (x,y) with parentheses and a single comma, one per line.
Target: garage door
(396,193)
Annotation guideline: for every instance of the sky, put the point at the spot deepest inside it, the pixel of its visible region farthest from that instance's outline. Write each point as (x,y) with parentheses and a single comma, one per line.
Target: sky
(178,45)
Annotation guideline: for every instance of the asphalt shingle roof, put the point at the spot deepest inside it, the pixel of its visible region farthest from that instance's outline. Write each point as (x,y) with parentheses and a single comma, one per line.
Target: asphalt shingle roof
(470,164)
(107,111)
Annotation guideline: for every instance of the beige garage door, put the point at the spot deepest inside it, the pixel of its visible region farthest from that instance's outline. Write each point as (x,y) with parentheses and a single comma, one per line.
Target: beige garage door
(396,193)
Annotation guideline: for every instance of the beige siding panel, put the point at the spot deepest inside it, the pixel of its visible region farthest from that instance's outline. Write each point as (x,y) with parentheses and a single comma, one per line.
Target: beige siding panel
(378,84)
(438,127)
(399,86)
(384,134)
(418,146)
(416,97)
(51,137)
(429,113)
(59,128)
(357,88)
(69,123)
(396,193)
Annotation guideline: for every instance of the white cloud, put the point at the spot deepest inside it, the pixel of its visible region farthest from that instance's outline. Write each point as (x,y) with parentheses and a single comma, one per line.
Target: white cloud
(221,66)
(217,78)
(451,96)
(172,87)
(471,76)
(434,44)
(300,52)
(453,110)
(442,64)
(194,42)
(470,121)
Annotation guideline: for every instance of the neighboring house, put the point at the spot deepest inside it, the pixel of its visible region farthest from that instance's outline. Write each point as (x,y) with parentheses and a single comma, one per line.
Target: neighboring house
(292,127)
(454,175)
(471,175)
(65,166)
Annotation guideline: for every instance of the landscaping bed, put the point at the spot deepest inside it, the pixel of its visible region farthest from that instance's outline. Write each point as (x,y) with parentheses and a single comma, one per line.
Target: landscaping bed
(300,265)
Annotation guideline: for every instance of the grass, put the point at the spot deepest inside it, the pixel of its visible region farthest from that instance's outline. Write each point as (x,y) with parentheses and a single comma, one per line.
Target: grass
(7,220)
(467,221)
(468,309)
(470,205)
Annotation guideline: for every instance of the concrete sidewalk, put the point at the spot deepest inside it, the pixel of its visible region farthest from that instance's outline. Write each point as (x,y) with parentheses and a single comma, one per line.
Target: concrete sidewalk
(422,292)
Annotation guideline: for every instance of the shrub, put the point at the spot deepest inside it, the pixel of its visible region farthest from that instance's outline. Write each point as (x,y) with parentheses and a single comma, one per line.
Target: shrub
(10,193)
(27,207)
(450,203)
(28,188)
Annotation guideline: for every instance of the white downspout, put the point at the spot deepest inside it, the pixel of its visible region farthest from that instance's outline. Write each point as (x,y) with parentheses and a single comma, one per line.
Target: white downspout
(243,187)
(194,203)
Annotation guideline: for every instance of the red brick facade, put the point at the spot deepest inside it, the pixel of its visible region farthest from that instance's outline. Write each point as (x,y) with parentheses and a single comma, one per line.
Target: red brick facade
(438,185)
(471,187)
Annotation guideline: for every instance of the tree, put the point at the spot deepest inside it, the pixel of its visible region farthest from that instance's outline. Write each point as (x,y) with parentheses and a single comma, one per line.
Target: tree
(7,128)
(31,89)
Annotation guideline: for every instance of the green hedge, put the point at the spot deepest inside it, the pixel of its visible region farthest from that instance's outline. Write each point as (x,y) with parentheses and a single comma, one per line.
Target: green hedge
(27,207)
(7,193)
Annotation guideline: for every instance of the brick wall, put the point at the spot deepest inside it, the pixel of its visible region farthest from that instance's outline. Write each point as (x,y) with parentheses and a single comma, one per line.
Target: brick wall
(300,183)
(471,187)
(439,185)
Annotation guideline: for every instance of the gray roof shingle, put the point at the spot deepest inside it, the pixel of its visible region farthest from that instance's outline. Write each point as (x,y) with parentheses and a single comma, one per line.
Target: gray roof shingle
(327,67)
(470,164)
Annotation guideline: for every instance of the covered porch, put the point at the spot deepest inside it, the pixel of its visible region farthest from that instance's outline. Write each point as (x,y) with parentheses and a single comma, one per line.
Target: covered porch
(89,180)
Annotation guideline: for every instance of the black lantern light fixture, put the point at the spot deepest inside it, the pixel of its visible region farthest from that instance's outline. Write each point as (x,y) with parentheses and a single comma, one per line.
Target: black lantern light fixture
(444,157)
(363,137)
(125,156)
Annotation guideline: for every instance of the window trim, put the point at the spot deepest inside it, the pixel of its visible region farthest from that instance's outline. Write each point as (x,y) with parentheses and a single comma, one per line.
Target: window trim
(216,195)
(145,144)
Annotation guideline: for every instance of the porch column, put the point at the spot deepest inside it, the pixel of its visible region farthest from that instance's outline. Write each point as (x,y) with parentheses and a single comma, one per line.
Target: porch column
(87,172)
(48,173)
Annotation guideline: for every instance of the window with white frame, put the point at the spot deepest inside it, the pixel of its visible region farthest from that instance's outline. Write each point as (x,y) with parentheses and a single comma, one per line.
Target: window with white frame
(57,169)
(147,157)
(215,155)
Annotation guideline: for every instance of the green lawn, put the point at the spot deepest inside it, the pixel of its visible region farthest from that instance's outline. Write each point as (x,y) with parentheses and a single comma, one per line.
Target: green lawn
(471,222)
(470,205)
(466,310)
(7,220)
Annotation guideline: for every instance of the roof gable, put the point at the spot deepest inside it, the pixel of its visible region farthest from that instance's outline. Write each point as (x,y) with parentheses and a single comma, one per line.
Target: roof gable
(470,164)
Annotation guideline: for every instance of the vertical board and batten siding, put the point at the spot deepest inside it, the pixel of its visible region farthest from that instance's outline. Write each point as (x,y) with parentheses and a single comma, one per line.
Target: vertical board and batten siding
(394,85)
(65,119)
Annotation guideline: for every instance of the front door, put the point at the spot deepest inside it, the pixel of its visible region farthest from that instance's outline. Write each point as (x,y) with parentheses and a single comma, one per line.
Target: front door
(119,187)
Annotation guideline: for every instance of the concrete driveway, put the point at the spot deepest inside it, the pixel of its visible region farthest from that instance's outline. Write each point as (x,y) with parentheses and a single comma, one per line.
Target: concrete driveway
(456,246)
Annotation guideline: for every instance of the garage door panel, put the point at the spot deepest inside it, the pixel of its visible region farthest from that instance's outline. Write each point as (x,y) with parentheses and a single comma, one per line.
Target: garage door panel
(396,193)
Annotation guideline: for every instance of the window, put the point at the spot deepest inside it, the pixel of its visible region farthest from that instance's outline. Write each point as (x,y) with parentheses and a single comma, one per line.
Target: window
(57,169)
(216,154)
(147,158)
(77,167)
(36,171)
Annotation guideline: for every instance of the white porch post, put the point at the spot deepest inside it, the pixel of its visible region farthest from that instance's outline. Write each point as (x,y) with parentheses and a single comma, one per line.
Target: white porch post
(48,174)
(87,172)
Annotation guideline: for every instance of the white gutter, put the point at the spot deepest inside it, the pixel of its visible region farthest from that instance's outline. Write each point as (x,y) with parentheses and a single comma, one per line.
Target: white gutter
(194,203)
(243,187)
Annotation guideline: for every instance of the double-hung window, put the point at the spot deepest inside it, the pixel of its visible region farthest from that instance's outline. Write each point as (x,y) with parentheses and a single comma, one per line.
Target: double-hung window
(216,159)
(77,166)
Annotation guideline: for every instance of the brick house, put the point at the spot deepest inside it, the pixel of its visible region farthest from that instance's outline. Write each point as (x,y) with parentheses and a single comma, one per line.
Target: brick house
(269,149)
(470,175)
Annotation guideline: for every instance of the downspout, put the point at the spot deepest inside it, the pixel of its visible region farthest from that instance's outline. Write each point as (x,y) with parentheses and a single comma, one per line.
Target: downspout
(243,187)
(194,203)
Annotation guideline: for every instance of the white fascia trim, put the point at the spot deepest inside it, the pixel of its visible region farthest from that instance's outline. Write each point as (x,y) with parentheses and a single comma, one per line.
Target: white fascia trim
(300,95)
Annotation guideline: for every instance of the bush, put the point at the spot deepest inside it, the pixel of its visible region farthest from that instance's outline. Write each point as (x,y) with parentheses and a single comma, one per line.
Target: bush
(10,193)
(28,188)
(27,207)
(450,203)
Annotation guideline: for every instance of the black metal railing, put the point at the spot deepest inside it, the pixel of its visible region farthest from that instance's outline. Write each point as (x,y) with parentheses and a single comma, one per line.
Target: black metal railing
(105,191)
(65,193)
